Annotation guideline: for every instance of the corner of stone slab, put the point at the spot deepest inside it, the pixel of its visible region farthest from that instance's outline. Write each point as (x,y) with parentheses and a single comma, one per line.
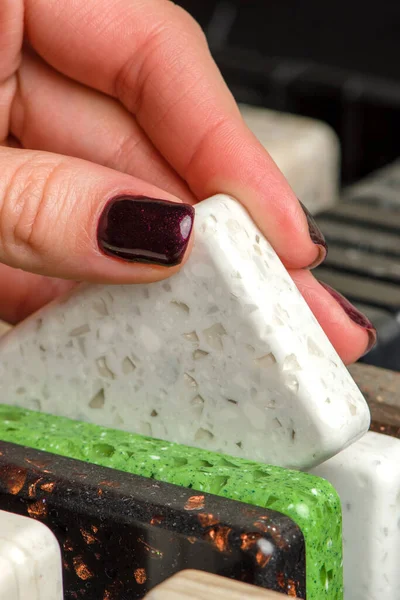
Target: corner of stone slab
(324,552)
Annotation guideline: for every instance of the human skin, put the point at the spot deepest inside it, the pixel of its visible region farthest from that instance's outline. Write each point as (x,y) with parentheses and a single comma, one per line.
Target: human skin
(100,100)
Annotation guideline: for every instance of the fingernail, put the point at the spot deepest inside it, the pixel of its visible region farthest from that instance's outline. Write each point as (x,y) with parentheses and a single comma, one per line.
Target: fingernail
(145,230)
(317,237)
(355,315)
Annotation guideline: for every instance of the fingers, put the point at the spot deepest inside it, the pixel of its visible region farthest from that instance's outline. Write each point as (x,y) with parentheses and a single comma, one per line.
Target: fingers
(21,293)
(350,332)
(11,34)
(51,112)
(63,217)
(152,56)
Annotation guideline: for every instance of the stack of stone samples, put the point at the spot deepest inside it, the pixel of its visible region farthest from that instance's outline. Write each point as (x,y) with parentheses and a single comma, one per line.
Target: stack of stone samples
(195,423)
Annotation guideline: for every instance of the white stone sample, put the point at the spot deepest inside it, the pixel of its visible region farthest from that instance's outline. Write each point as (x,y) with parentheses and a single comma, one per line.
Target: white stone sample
(30,560)
(367,478)
(307,152)
(225,355)
(198,585)
(4,327)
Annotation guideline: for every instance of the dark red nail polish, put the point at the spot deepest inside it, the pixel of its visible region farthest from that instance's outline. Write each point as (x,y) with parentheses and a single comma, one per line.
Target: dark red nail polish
(145,230)
(317,237)
(355,315)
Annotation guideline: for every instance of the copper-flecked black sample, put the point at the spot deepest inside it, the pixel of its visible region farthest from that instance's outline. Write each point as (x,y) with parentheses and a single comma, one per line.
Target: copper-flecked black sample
(122,534)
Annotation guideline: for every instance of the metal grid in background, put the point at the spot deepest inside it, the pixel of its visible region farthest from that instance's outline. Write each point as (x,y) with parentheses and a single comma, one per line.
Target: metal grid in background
(363,262)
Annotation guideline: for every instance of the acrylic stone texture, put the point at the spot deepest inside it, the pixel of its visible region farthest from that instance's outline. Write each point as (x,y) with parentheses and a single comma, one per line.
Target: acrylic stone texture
(30,560)
(225,355)
(309,501)
(367,478)
(306,151)
(163,529)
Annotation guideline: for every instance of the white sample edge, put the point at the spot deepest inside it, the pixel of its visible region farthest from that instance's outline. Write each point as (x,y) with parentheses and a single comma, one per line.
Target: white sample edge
(30,560)
(307,151)
(367,478)
(225,355)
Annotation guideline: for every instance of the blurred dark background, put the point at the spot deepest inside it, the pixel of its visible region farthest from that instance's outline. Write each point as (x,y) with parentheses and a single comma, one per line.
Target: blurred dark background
(334,61)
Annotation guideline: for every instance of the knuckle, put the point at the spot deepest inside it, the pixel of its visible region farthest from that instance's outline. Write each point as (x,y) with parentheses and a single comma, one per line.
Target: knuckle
(30,205)
(164,46)
(219,130)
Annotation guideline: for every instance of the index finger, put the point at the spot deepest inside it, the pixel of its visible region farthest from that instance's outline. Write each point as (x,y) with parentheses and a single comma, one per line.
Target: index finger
(153,57)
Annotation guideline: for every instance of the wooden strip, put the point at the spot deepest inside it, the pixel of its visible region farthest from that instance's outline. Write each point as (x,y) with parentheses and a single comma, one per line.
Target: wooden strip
(197,585)
(378,385)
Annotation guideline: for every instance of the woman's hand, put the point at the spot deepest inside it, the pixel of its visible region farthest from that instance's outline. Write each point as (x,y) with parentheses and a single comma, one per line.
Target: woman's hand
(100,99)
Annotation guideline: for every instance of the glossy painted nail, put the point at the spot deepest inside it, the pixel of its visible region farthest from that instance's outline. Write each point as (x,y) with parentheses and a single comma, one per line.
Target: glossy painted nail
(317,237)
(145,230)
(354,314)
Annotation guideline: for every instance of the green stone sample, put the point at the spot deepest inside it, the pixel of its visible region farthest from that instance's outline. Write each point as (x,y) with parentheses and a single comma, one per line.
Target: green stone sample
(310,501)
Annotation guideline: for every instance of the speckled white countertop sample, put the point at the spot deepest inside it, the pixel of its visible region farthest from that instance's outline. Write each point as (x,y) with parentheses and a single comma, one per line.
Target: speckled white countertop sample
(367,478)
(225,355)
(30,560)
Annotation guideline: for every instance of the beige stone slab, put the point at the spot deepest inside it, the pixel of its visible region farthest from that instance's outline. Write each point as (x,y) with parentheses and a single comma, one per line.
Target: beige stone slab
(197,585)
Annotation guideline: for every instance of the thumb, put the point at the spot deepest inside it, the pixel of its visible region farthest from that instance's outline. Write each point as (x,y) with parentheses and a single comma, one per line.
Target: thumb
(68,218)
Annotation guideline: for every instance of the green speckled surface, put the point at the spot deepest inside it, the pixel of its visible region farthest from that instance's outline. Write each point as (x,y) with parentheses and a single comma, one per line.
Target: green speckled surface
(310,501)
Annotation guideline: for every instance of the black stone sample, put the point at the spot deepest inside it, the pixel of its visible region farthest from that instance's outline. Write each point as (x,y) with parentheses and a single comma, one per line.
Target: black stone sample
(121,534)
